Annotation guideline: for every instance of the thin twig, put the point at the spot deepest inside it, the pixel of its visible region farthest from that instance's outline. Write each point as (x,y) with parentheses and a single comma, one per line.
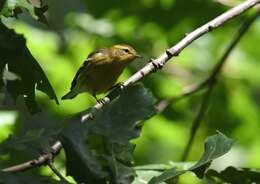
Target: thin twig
(42,160)
(157,63)
(55,170)
(188,91)
(197,121)
(212,80)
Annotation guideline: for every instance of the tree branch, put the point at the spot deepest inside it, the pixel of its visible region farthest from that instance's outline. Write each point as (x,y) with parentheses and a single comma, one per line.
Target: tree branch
(197,121)
(188,91)
(151,67)
(212,80)
(42,160)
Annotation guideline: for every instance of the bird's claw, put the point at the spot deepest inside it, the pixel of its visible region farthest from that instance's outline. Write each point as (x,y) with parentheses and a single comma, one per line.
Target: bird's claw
(156,65)
(101,101)
(119,85)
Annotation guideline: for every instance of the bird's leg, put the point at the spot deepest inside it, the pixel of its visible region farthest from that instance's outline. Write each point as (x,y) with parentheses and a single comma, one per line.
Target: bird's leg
(98,100)
(95,96)
(119,85)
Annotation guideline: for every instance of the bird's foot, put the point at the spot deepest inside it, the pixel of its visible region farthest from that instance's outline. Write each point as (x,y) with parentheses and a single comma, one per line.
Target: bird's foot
(119,85)
(101,101)
(156,65)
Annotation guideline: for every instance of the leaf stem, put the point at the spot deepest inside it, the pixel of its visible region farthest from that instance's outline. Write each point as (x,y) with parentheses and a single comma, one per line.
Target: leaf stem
(55,170)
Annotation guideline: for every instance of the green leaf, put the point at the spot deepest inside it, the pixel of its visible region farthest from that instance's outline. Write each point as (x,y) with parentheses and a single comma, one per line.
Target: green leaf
(80,162)
(157,167)
(15,58)
(234,175)
(99,150)
(167,175)
(11,8)
(215,146)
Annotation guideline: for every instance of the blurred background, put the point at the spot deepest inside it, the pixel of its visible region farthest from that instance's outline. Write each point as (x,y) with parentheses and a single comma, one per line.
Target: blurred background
(78,27)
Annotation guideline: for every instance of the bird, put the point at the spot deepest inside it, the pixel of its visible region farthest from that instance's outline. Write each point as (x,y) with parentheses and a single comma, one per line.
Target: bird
(100,71)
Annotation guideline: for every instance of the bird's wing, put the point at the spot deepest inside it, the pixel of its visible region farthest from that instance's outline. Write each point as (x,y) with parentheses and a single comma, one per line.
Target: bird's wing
(94,57)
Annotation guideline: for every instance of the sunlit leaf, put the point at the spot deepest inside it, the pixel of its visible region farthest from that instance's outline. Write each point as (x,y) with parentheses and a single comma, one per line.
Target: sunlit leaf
(145,176)
(11,8)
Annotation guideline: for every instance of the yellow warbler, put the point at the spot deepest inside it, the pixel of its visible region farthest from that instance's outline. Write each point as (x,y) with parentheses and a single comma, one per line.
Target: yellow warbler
(101,70)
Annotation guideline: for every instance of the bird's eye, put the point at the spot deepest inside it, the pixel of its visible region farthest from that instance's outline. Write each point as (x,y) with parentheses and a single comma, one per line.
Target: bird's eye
(126,51)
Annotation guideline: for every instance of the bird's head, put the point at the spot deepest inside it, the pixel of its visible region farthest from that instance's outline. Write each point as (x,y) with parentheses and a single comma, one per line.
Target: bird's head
(124,53)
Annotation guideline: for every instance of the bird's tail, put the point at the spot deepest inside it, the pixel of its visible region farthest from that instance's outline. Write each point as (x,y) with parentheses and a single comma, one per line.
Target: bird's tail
(69,95)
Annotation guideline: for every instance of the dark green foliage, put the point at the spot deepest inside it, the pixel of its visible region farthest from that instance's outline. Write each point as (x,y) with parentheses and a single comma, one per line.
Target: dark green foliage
(33,135)
(234,175)
(100,150)
(35,141)
(16,60)
(20,73)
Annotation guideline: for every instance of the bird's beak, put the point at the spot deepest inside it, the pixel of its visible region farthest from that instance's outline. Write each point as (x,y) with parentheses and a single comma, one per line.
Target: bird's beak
(138,56)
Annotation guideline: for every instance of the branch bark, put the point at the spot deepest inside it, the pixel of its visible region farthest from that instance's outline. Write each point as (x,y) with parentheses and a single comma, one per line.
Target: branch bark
(151,67)
(42,160)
